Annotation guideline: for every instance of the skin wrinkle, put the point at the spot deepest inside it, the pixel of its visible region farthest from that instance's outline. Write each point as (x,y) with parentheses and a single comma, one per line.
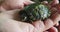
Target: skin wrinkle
(53,22)
(38,24)
(24,26)
(49,24)
(55,18)
(42,26)
(31,28)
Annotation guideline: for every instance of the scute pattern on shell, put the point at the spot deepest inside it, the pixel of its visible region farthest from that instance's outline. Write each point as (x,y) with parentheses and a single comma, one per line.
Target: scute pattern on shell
(35,12)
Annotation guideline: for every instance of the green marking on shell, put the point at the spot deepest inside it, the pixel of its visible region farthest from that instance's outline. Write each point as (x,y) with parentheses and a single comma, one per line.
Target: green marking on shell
(34,12)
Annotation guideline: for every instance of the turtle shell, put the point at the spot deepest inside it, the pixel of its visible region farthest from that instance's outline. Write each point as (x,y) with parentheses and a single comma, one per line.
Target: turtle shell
(33,12)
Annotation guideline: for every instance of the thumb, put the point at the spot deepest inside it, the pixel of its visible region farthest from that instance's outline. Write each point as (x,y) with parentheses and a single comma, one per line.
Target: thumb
(28,2)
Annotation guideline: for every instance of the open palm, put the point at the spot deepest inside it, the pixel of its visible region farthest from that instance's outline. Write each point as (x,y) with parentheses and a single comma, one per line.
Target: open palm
(8,24)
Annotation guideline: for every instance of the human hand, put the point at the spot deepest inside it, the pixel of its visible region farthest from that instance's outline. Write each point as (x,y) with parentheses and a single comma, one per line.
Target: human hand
(10,25)
(14,4)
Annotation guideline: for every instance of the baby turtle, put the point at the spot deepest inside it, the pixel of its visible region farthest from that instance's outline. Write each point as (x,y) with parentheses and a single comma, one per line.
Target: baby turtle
(33,12)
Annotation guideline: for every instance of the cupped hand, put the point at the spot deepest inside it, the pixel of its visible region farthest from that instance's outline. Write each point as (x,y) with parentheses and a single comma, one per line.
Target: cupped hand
(7,24)
(15,4)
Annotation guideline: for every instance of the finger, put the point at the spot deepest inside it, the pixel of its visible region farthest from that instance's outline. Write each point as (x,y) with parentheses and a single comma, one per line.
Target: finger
(58,28)
(1,9)
(47,23)
(53,29)
(28,2)
(57,24)
(54,2)
(29,27)
(26,27)
(46,31)
(43,26)
(13,4)
(55,18)
(10,14)
(45,2)
(8,25)
(57,7)
(39,25)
